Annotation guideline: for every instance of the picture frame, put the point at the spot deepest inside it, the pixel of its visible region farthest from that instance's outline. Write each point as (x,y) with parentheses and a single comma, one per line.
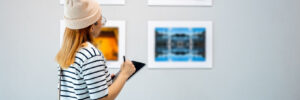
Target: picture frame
(180,2)
(104,2)
(113,30)
(180,44)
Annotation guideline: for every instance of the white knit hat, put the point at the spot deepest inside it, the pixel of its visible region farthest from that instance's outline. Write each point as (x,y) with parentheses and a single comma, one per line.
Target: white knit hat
(80,14)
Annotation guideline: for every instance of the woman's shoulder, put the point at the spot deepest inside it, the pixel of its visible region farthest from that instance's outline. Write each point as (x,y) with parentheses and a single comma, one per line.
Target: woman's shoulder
(87,51)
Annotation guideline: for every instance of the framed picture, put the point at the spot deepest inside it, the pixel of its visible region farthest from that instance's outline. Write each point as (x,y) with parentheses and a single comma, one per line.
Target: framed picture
(180,2)
(111,42)
(105,2)
(180,44)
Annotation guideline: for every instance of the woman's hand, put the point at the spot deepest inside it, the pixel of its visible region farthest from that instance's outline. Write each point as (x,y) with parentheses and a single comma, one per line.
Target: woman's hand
(127,68)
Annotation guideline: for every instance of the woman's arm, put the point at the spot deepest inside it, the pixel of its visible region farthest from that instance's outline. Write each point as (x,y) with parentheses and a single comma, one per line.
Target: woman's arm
(127,69)
(115,88)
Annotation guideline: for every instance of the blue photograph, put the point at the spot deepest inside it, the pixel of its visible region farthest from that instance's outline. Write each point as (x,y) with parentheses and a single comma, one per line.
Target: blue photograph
(179,44)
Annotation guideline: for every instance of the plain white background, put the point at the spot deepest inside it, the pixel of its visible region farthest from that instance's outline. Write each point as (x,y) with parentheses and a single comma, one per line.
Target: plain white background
(256,51)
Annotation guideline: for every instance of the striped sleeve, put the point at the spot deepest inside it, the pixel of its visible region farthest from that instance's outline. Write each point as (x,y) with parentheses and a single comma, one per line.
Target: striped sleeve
(93,72)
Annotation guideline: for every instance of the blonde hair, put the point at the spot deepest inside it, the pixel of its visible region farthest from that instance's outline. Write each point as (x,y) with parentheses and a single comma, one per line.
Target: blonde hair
(73,40)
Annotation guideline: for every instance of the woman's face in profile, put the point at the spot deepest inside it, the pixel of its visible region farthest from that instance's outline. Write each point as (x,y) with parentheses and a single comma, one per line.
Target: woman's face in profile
(97,28)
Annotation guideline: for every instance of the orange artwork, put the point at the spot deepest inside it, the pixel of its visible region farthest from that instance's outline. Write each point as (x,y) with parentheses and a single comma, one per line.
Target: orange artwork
(107,43)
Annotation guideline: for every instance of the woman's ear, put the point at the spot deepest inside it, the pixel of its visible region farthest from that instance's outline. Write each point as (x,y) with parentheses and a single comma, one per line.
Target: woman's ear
(92,29)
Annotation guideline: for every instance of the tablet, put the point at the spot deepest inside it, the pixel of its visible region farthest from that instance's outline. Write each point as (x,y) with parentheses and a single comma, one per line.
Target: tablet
(138,66)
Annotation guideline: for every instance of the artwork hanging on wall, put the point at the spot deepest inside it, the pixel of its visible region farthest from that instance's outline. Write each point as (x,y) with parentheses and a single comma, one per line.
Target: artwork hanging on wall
(180,44)
(111,42)
(180,2)
(105,2)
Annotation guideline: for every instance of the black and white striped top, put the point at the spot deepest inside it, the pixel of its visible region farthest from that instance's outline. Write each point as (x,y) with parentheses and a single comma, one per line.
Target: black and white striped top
(87,78)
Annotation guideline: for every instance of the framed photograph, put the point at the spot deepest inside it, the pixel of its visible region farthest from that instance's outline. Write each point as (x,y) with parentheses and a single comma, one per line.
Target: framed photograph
(180,2)
(180,44)
(105,2)
(111,42)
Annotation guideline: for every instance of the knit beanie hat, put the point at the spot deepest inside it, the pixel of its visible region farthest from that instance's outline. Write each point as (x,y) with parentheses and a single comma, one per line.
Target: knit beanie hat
(80,14)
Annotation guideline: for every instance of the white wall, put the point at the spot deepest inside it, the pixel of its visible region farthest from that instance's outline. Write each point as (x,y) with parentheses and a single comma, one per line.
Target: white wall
(256,51)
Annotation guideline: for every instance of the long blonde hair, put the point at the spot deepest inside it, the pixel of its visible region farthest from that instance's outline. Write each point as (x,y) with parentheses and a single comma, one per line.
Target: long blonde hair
(72,41)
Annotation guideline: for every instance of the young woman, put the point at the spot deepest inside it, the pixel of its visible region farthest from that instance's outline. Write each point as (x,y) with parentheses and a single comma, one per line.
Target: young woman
(83,71)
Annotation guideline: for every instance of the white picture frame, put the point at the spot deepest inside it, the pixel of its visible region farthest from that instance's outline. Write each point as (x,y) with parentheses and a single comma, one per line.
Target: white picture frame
(104,2)
(165,60)
(121,25)
(180,2)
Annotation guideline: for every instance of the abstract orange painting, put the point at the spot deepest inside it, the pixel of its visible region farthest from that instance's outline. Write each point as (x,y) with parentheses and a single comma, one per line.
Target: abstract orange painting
(107,43)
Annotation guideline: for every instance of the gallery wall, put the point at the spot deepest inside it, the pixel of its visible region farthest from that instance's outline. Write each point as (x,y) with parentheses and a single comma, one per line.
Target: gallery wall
(255,50)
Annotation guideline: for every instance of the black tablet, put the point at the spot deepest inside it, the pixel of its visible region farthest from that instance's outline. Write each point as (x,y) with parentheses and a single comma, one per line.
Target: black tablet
(138,66)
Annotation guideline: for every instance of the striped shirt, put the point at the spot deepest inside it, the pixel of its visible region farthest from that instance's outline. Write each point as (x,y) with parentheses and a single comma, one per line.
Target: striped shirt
(87,78)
